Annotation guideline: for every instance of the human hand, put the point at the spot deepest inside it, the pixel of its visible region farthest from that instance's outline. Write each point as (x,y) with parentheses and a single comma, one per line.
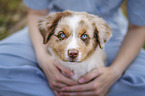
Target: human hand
(52,70)
(96,83)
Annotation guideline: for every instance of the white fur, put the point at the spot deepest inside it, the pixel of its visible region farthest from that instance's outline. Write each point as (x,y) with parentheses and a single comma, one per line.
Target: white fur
(72,45)
(73,24)
(97,59)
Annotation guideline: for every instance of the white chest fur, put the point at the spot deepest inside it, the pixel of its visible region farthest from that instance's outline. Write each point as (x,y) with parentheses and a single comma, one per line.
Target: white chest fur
(97,59)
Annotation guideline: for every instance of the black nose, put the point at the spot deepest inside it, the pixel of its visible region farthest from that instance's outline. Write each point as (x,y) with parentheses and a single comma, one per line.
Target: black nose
(73,53)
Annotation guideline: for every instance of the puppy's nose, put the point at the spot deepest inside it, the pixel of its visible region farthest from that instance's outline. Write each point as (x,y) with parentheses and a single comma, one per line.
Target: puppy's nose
(73,53)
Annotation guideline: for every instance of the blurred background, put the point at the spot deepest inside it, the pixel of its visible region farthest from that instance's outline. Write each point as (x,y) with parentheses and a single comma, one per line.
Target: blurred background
(13,16)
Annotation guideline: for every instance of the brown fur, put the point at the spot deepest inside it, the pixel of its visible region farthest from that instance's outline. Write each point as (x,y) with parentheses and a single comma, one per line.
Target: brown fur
(97,30)
(50,24)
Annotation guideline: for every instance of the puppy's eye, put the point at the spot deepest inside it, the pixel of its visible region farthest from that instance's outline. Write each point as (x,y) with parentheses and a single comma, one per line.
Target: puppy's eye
(84,36)
(61,35)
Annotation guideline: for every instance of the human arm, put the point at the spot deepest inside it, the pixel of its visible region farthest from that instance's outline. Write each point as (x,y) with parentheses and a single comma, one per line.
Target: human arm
(129,49)
(131,45)
(51,68)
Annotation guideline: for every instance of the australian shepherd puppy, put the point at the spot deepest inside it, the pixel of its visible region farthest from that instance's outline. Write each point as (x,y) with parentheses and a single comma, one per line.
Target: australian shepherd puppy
(76,40)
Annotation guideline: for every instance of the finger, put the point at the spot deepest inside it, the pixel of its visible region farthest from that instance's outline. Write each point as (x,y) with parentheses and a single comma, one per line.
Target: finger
(59,77)
(56,93)
(89,93)
(80,88)
(55,88)
(106,93)
(57,84)
(67,81)
(65,70)
(90,76)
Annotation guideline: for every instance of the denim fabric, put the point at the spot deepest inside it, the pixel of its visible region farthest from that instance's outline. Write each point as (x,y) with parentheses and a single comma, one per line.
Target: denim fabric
(20,74)
(107,9)
(37,4)
(136,13)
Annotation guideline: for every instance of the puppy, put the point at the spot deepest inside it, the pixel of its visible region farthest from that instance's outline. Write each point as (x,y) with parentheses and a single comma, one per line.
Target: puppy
(76,40)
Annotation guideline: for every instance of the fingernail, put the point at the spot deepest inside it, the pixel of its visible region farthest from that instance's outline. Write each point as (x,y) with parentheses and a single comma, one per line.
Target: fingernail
(71,74)
(81,80)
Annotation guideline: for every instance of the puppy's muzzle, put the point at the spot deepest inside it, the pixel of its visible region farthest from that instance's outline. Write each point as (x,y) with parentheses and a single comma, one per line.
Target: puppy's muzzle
(73,54)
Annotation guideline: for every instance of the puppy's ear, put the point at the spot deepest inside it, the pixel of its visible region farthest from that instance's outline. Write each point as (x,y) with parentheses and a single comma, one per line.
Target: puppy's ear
(48,24)
(46,27)
(102,30)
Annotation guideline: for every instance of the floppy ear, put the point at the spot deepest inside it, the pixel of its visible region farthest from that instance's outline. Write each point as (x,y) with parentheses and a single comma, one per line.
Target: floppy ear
(48,24)
(102,30)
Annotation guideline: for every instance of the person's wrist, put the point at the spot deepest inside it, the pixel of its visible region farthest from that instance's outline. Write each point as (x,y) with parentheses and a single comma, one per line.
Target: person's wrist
(116,71)
(41,54)
(44,59)
(40,50)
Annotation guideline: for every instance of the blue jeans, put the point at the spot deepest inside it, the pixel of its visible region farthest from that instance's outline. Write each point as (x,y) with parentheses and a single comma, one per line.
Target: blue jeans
(20,75)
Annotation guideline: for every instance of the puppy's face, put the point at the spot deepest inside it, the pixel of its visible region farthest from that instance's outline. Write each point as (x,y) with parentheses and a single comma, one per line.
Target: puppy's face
(73,36)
